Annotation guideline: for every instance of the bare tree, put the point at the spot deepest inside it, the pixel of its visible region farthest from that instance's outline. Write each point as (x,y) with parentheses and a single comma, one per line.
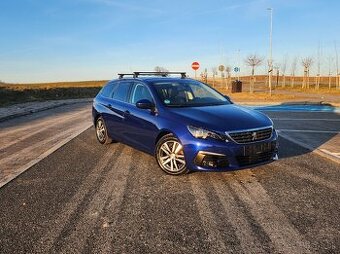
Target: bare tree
(277,68)
(293,71)
(283,70)
(330,60)
(253,61)
(214,72)
(306,63)
(228,74)
(205,75)
(318,76)
(337,66)
(161,69)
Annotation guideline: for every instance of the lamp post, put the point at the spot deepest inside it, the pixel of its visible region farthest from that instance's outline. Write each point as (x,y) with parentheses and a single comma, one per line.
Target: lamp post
(270,60)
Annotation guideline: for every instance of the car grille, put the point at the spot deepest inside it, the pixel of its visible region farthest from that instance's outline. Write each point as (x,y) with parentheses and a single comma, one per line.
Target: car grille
(249,136)
(254,159)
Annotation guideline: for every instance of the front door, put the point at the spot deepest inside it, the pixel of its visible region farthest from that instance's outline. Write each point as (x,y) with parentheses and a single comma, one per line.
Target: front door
(141,125)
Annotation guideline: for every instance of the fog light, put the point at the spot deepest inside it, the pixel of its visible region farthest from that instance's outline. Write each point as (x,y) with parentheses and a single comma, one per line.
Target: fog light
(211,160)
(208,161)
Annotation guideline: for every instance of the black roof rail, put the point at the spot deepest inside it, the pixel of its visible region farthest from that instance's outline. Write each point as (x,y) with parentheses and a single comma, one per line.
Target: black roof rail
(121,75)
(150,73)
(163,74)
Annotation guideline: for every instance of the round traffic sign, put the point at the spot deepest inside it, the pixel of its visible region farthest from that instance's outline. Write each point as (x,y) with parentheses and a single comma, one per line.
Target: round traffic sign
(236,69)
(221,67)
(195,66)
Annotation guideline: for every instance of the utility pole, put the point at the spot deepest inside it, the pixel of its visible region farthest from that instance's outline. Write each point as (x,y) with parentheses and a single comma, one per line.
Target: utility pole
(337,76)
(318,77)
(270,60)
(238,64)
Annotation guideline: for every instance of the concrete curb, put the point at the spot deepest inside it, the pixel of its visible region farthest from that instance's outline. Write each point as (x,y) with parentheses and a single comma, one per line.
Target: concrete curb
(43,108)
(318,151)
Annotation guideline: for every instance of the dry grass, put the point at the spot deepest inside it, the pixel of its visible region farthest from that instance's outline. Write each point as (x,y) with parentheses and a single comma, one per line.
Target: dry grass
(78,84)
(19,93)
(322,90)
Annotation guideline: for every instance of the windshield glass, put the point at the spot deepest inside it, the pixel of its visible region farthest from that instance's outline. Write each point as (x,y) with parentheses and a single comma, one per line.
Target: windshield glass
(188,93)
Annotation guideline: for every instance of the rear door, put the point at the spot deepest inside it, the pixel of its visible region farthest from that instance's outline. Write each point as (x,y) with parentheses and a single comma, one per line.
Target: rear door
(118,106)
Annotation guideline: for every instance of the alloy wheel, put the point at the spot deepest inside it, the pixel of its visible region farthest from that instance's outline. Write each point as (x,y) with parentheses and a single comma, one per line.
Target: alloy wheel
(171,156)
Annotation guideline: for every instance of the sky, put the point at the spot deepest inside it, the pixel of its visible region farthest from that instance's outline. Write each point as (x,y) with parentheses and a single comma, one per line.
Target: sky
(71,40)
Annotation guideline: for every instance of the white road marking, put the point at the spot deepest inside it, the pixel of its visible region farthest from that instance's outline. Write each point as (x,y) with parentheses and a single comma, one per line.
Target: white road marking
(34,124)
(309,131)
(45,154)
(18,136)
(26,153)
(336,154)
(306,119)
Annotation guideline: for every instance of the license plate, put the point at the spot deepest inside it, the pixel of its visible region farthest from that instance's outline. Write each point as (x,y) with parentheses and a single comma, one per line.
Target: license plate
(257,149)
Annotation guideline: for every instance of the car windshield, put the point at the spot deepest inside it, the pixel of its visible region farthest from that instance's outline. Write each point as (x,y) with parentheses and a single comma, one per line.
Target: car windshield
(188,93)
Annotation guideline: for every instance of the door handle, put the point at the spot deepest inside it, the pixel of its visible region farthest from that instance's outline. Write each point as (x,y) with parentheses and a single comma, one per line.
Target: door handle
(126,112)
(110,106)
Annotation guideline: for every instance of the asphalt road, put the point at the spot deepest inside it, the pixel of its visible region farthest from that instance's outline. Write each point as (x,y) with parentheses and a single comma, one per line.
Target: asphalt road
(89,198)
(25,140)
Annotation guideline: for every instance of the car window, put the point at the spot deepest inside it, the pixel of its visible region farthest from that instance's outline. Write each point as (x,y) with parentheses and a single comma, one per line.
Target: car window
(121,91)
(188,93)
(140,92)
(107,89)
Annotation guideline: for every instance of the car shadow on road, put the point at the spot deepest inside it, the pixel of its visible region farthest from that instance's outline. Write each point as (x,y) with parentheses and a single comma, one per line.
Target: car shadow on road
(304,127)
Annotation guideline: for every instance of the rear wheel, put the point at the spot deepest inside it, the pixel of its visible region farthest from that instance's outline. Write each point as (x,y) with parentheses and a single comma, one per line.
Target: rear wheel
(170,155)
(101,132)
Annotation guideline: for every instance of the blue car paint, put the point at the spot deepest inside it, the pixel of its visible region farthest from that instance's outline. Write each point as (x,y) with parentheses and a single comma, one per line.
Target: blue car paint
(142,128)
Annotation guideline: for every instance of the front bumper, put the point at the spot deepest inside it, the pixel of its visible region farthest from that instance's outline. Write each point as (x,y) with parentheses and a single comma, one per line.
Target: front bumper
(213,155)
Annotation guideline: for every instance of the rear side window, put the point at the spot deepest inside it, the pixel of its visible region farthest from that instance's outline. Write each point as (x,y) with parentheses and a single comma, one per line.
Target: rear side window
(107,89)
(121,91)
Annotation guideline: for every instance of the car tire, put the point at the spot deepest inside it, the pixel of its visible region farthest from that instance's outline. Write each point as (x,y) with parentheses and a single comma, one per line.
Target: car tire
(101,132)
(170,155)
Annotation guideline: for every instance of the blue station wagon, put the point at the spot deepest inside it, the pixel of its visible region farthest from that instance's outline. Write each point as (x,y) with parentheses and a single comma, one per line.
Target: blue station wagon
(186,124)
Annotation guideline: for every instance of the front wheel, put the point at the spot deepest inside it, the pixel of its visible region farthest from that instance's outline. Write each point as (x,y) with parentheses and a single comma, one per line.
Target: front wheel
(170,155)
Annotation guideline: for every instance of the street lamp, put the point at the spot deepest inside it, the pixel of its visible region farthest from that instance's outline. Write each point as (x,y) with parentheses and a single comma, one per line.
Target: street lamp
(270,60)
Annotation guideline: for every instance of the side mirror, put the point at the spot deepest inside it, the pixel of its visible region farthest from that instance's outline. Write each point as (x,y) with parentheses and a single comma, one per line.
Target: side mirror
(228,98)
(145,104)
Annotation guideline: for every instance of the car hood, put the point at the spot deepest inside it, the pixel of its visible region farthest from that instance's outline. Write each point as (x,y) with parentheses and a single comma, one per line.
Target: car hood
(222,118)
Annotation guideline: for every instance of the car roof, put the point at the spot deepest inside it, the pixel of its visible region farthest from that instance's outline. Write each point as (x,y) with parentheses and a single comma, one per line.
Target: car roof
(153,79)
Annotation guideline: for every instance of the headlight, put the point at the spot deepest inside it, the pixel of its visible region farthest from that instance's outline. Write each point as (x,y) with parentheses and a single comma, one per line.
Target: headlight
(203,133)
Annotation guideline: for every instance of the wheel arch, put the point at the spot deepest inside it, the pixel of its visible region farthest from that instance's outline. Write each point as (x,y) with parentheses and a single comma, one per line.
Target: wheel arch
(162,133)
(95,116)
